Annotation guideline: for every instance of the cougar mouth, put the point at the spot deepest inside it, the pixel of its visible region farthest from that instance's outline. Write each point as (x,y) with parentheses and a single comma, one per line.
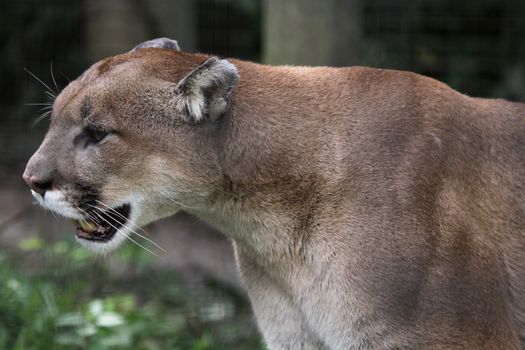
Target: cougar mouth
(101,225)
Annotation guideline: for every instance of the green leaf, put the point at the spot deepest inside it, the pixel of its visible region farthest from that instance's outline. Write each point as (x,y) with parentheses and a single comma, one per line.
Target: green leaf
(31,243)
(109,319)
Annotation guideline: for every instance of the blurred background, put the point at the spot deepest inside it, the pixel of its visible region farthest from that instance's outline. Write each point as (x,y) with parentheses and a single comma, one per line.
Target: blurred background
(54,295)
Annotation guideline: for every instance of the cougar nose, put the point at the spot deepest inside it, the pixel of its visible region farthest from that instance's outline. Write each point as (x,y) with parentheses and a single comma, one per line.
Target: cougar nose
(36,184)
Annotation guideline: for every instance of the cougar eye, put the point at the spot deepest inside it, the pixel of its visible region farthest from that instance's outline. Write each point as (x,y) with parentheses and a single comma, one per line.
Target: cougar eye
(90,135)
(95,135)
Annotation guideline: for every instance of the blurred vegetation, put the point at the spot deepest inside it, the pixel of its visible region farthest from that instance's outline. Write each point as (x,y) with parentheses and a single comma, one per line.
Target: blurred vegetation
(58,296)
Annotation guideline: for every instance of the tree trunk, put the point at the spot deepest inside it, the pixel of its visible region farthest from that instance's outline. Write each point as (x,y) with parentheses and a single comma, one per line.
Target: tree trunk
(312,32)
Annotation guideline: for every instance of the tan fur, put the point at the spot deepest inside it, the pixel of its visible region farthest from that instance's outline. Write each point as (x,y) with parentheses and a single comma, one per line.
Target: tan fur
(369,208)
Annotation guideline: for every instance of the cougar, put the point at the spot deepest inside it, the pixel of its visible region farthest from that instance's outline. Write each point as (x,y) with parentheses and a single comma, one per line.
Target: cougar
(368,208)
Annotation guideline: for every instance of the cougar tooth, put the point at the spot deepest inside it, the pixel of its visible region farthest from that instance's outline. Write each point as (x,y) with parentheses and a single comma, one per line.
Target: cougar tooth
(88,226)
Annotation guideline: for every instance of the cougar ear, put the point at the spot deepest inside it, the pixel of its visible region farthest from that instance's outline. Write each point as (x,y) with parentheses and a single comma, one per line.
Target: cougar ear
(206,90)
(160,43)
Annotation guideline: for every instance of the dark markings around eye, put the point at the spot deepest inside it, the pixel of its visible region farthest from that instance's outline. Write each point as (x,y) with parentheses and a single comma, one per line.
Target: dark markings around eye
(90,135)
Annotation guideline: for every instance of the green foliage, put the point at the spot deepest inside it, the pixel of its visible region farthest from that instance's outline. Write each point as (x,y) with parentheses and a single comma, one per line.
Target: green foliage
(58,296)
